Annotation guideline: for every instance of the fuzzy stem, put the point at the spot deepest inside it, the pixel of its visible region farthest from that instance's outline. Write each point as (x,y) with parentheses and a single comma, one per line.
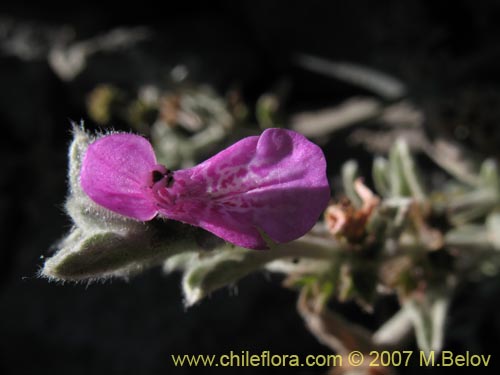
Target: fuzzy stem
(332,329)
(307,246)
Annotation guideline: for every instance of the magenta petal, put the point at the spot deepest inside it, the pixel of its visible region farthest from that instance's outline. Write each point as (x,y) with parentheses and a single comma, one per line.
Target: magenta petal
(276,182)
(117,174)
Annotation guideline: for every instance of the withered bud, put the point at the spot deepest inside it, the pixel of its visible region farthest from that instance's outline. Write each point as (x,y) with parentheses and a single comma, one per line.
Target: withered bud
(344,220)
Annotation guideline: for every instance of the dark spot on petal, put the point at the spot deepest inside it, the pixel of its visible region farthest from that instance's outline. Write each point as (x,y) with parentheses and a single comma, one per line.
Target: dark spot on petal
(157,176)
(170,179)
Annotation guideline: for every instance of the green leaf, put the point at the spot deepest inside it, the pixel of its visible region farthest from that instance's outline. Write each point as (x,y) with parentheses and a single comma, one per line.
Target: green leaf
(226,265)
(468,236)
(81,140)
(489,175)
(428,315)
(493,228)
(380,174)
(410,171)
(96,255)
(267,111)
(223,268)
(349,175)
(472,205)
(403,174)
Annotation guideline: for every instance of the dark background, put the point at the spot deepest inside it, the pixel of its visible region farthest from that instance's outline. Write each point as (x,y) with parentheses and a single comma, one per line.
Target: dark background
(441,50)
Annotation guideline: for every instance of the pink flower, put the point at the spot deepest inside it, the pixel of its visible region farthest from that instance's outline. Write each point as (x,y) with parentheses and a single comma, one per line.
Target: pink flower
(275,182)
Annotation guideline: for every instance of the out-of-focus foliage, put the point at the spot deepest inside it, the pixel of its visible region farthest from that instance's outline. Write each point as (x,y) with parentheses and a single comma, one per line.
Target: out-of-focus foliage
(407,236)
